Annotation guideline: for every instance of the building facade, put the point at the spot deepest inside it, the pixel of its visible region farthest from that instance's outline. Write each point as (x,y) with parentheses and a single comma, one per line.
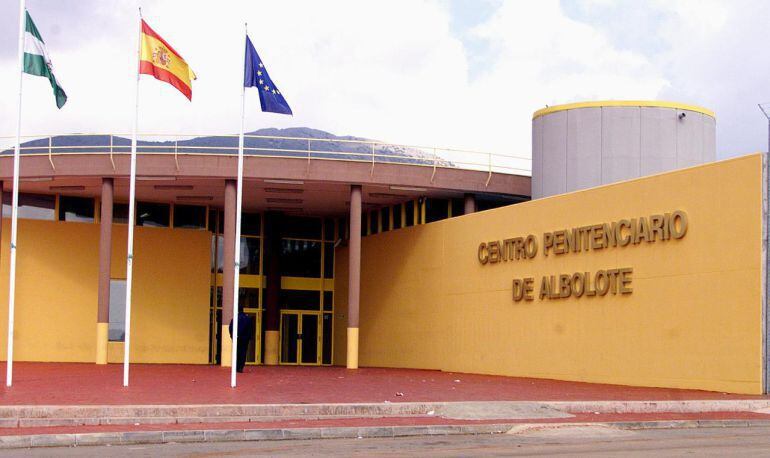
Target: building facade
(296,215)
(378,255)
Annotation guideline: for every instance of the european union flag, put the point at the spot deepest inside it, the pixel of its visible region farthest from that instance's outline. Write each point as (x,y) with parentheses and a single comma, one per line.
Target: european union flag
(255,75)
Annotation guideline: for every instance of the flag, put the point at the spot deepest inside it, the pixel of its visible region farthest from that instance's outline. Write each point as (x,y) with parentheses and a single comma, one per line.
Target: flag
(255,75)
(37,61)
(159,59)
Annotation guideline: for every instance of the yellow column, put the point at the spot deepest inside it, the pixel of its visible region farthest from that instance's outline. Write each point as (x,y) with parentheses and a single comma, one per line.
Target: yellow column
(352,362)
(271,347)
(403,215)
(227,346)
(422,209)
(390,218)
(102,340)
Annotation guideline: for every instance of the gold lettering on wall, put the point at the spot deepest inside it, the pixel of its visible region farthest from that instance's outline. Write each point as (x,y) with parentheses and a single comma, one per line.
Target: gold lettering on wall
(640,230)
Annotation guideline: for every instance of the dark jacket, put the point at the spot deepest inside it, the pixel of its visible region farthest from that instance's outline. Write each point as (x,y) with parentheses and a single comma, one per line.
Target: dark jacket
(245,327)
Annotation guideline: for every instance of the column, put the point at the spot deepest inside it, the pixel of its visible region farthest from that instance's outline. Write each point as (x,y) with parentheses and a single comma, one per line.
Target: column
(354,275)
(228,269)
(105,262)
(272,265)
(470,204)
(2,192)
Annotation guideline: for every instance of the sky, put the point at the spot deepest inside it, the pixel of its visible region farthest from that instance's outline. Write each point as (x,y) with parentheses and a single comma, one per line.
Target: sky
(451,73)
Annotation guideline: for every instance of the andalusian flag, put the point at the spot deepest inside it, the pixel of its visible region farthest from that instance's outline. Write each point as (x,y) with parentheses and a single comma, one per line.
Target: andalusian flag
(158,58)
(38,62)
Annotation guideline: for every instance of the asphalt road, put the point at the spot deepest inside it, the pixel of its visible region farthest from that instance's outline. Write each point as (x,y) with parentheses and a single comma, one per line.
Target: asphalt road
(593,441)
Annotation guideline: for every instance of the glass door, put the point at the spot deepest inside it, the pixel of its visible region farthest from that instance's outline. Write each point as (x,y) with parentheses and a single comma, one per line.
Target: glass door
(309,344)
(289,337)
(253,354)
(300,338)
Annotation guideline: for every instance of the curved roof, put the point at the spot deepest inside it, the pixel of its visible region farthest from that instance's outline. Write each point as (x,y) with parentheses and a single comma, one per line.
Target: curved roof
(623,103)
(316,187)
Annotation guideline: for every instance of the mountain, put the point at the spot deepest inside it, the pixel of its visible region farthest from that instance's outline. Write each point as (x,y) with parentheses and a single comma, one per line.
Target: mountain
(296,142)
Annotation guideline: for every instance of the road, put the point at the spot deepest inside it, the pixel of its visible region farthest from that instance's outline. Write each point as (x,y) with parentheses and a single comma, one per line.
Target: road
(570,441)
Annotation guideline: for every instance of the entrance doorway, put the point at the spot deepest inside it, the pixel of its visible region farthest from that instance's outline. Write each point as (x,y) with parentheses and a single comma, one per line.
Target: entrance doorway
(306,293)
(300,338)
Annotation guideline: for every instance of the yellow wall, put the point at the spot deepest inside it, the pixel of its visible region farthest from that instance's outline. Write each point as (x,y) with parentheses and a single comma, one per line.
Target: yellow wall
(692,321)
(56,297)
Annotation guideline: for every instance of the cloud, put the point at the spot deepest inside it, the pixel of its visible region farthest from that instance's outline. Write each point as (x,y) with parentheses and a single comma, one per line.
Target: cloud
(716,58)
(710,52)
(396,71)
(546,58)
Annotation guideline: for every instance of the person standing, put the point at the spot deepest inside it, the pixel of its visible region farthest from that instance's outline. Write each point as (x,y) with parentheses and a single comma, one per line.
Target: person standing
(245,334)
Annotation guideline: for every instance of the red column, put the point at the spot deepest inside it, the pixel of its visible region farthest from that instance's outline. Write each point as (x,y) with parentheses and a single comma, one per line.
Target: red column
(470,204)
(272,272)
(105,262)
(228,270)
(354,275)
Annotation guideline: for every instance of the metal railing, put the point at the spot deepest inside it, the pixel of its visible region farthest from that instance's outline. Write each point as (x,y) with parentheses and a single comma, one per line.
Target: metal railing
(305,148)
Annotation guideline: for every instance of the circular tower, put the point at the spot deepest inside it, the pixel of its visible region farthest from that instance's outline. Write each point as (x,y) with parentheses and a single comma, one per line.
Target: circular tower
(581,145)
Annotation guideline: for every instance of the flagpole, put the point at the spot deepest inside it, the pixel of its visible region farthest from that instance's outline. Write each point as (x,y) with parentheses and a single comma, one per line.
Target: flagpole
(15,202)
(131,198)
(238,208)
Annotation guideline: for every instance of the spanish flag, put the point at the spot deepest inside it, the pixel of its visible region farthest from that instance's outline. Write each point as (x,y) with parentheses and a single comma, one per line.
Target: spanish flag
(159,59)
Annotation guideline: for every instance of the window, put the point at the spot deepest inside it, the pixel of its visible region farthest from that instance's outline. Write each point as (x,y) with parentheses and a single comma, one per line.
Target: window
(31,206)
(117,326)
(189,217)
(436,209)
(79,209)
(289,299)
(328,260)
(326,348)
(250,223)
(396,216)
(300,258)
(119,213)
(410,213)
(328,301)
(328,229)
(301,227)
(152,215)
(212,220)
(458,207)
(249,255)
(385,215)
(248,298)
(217,252)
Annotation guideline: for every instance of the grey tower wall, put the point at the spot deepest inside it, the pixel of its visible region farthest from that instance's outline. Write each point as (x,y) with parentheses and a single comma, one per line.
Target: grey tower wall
(579,148)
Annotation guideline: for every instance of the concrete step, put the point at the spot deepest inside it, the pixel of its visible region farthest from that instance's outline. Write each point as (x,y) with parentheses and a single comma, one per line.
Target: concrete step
(72,439)
(78,415)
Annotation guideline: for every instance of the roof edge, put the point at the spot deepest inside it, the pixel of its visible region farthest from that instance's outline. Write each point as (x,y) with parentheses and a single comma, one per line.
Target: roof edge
(623,103)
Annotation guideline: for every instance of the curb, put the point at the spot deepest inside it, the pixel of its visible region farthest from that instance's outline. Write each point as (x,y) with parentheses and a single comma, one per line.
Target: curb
(21,416)
(245,435)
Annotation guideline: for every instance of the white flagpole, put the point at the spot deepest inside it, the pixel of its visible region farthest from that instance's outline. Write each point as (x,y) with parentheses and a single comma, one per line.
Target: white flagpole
(238,206)
(15,202)
(131,198)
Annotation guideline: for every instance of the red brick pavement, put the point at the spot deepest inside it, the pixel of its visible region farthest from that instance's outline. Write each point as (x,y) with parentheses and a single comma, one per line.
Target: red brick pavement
(81,383)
